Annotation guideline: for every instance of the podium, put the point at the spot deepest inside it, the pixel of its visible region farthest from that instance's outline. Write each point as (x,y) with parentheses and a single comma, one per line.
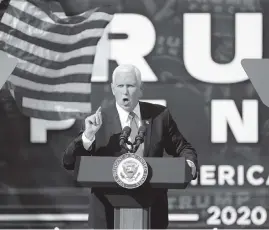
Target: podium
(132,206)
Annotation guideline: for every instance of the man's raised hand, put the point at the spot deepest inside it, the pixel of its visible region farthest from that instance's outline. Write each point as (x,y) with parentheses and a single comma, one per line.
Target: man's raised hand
(93,124)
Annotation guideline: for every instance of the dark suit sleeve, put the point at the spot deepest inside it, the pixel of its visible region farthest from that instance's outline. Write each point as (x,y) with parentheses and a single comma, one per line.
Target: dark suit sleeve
(174,142)
(75,148)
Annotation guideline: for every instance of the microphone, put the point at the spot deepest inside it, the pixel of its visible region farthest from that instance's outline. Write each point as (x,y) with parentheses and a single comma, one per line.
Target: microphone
(139,139)
(125,135)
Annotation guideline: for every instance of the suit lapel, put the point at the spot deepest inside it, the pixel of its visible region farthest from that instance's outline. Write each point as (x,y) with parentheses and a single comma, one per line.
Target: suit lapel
(113,123)
(147,122)
(113,120)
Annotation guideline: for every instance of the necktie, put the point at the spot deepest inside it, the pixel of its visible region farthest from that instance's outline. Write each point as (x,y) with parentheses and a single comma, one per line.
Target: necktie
(134,127)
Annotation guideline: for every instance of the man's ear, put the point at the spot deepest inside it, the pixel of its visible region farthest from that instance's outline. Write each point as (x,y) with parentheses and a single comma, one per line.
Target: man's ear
(141,89)
(112,88)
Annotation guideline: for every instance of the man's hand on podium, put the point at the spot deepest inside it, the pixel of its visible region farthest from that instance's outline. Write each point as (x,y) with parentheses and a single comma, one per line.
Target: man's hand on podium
(193,167)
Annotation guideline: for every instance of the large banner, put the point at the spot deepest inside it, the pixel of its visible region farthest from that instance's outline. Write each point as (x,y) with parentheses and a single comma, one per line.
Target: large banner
(226,122)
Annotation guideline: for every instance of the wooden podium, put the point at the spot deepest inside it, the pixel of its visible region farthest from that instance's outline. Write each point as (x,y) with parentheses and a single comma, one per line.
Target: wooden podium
(132,206)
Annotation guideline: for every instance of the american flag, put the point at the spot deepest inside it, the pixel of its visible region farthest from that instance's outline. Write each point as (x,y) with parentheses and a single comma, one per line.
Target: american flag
(55,56)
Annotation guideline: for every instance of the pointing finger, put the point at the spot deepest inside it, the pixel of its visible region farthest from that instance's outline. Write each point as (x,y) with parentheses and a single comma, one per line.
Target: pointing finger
(99,115)
(98,110)
(98,121)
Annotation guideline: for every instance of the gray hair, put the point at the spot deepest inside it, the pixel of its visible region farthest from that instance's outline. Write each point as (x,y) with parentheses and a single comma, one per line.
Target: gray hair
(129,68)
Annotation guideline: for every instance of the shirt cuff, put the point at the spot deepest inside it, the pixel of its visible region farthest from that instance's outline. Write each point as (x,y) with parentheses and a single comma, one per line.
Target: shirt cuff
(86,142)
(193,167)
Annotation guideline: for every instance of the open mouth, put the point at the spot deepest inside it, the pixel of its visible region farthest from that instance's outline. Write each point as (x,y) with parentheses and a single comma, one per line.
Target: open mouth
(126,100)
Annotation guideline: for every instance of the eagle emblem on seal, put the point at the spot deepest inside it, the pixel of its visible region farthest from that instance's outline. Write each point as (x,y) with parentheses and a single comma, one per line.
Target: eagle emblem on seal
(130,170)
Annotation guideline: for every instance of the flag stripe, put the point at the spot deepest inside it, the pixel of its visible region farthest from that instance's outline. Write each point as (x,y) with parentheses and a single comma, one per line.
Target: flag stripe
(56,65)
(82,88)
(78,78)
(60,29)
(52,79)
(59,106)
(50,73)
(31,8)
(56,116)
(46,53)
(62,48)
(47,15)
(87,36)
(72,97)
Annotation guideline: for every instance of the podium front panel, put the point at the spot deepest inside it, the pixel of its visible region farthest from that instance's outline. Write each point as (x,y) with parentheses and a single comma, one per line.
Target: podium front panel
(165,172)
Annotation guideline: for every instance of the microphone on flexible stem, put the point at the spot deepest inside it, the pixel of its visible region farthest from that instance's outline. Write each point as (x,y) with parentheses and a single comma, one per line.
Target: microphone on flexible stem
(124,137)
(139,139)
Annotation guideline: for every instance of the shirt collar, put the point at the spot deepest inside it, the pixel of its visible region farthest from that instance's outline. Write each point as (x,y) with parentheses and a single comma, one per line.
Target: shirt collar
(124,114)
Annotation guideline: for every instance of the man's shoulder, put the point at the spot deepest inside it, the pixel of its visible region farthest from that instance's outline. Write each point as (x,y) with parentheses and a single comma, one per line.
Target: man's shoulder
(153,108)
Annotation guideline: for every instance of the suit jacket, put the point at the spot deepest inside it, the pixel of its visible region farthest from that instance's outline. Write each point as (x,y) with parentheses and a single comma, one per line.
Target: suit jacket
(161,134)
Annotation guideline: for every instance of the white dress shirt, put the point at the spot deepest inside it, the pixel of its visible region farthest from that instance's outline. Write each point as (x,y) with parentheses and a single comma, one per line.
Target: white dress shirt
(125,121)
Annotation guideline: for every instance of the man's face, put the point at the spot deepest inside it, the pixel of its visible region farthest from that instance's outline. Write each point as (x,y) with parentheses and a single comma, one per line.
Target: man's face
(126,89)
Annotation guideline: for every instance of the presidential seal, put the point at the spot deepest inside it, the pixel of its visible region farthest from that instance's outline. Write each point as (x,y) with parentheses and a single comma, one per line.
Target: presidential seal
(130,170)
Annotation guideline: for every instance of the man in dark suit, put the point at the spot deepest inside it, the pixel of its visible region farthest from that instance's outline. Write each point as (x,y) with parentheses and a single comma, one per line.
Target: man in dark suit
(100,137)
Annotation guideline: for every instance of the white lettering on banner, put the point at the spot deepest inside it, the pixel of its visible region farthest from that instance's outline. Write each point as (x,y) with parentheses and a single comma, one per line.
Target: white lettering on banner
(250,175)
(132,50)
(205,199)
(100,71)
(226,173)
(197,47)
(39,128)
(240,175)
(208,173)
(211,175)
(224,113)
(242,216)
